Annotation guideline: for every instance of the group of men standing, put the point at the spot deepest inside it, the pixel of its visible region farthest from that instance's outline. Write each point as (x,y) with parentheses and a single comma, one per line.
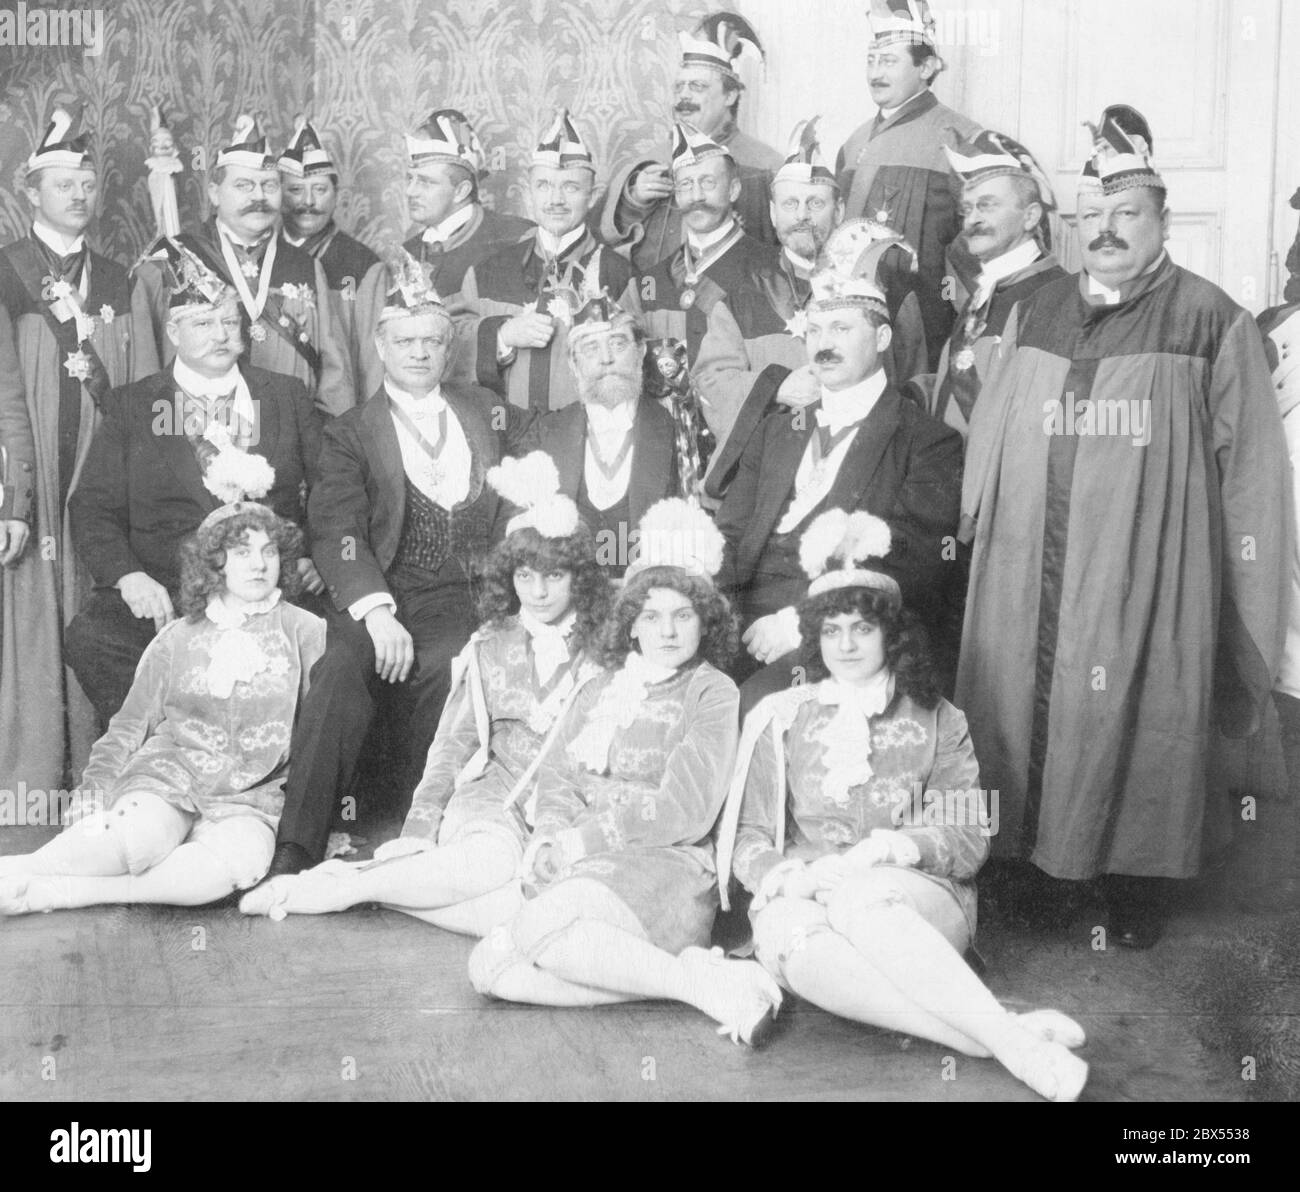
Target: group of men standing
(1101,600)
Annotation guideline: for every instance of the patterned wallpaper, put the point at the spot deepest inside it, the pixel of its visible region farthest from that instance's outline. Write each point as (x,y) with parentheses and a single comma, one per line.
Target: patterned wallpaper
(365,69)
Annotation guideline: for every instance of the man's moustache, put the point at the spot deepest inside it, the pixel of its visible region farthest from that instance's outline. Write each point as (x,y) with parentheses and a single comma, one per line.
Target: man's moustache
(1107,240)
(260,206)
(828,356)
(683,109)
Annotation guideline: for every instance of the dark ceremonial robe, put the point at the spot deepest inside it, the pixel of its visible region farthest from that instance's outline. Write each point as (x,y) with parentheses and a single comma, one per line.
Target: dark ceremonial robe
(1128,478)
(49,725)
(895,172)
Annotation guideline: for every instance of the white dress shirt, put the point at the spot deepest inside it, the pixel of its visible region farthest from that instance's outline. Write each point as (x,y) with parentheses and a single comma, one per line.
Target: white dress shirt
(701,242)
(552,246)
(992,272)
(197,385)
(838,410)
(610,428)
(440,233)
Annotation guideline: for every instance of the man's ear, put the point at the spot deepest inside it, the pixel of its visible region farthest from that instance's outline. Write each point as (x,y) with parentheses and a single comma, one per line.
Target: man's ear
(733,191)
(884,336)
(213,191)
(173,333)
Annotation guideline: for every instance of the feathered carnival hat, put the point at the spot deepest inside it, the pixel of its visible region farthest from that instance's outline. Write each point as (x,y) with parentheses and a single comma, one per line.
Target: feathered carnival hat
(447,136)
(562,148)
(247,147)
(834,548)
(194,288)
(804,162)
(59,147)
(901,22)
(595,311)
(718,42)
(990,154)
(304,156)
(410,288)
(1121,159)
(678,533)
(690,146)
(533,483)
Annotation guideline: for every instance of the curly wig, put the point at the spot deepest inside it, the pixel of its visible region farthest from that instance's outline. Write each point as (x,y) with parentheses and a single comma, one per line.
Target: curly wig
(907,650)
(591,594)
(203,555)
(719,633)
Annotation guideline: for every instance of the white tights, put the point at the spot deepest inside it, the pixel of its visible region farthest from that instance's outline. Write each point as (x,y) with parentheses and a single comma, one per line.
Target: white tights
(141,850)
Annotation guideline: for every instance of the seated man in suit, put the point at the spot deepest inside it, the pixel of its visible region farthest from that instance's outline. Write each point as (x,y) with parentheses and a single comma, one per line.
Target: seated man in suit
(859,446)
(397,517)
(155,471)
(614,450)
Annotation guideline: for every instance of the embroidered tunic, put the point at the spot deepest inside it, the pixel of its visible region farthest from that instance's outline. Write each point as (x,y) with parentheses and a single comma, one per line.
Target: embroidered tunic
(201,751)
(470,779)
(644,820)
(920,778)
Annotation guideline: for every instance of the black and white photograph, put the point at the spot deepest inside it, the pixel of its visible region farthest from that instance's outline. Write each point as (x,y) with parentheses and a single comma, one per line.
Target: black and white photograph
(650,550)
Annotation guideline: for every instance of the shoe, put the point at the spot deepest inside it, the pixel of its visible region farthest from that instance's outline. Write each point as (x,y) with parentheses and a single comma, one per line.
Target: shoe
(1052,1071)
(1138,911)
(740,994)
(289,858)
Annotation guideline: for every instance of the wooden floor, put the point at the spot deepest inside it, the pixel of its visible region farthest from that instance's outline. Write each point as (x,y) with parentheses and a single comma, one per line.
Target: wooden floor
(160,1003)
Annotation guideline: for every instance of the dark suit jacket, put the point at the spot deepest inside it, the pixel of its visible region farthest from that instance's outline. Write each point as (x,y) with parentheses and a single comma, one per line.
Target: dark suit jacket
(903,466)
(562,434)
(141,490)
(357,509)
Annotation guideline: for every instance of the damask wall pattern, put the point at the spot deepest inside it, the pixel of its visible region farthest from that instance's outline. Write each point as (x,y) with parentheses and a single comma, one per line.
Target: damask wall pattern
(366,70)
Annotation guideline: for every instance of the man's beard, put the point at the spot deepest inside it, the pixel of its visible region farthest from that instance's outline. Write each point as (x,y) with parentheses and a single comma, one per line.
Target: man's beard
(611,389)
(804,242)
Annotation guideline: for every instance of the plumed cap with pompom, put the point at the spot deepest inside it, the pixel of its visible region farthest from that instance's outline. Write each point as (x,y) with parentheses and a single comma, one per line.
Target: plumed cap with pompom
(835,547)
(678,533)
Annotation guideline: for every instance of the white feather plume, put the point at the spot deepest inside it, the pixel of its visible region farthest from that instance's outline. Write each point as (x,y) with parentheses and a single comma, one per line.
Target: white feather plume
(821,540)
(527,481)
(678,533)
(244,127)
(846,538)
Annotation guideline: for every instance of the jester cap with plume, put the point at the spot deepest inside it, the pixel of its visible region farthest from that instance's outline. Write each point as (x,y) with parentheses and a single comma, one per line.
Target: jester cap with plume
(533,484)
(247,148)
(901,22)
(305,156)
(805,162)
(59,146)
(562,147)
(835,548)
(1119,161)
(690,146)
(447,137)
(718,42)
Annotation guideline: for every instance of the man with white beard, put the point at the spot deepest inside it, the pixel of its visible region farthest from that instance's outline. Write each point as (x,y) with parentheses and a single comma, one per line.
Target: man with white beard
(615,452)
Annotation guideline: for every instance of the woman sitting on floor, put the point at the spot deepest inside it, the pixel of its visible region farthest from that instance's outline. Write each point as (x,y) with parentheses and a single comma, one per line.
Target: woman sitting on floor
(619,876)
(864,895)
(544,600)
(186,787)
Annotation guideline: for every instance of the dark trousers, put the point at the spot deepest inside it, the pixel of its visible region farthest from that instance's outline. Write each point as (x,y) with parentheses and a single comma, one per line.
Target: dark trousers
(346,694)
(103,644)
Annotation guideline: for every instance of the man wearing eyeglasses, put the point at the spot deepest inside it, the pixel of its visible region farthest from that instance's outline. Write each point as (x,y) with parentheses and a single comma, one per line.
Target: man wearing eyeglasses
(716,255)
(615,452)
(517,303)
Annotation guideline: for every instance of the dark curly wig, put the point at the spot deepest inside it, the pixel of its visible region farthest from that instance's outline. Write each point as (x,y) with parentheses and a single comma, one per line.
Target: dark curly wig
(907,650)
(719,633)
(591,594)
(203,555)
